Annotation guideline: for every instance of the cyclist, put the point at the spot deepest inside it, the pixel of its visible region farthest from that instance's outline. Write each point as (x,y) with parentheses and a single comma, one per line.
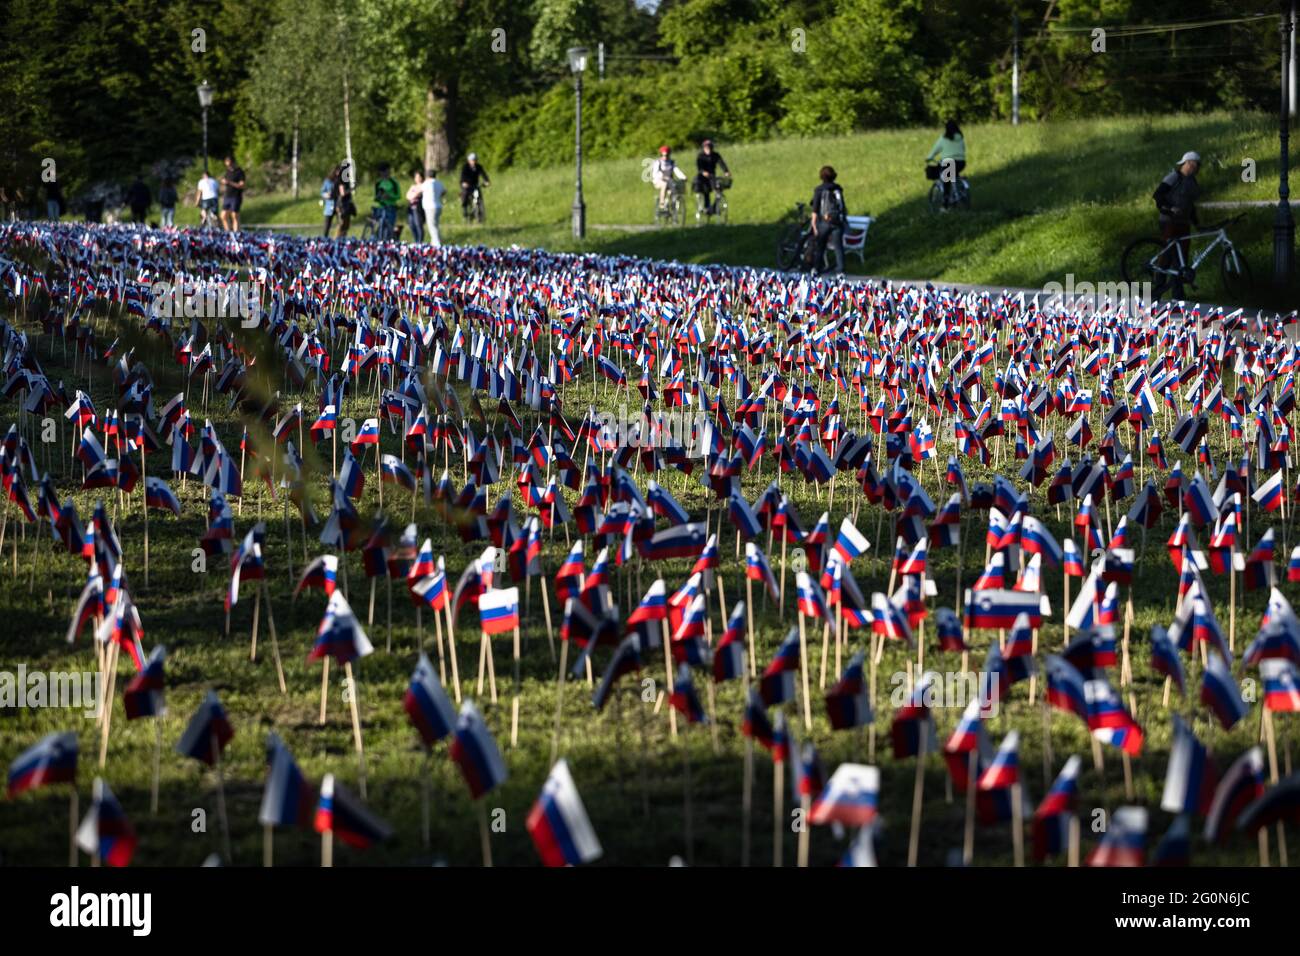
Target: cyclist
(707,162)
(829,216)
(951,145)
(472,175)
(1175,199)
(663,172)
(387,195)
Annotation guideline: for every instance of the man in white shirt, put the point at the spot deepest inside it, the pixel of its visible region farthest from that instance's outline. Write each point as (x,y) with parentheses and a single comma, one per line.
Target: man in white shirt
(431,201)
(207,198)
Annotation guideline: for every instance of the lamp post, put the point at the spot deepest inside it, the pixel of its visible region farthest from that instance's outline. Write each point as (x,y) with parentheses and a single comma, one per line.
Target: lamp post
(1283,222)
(205,101)
(578,64)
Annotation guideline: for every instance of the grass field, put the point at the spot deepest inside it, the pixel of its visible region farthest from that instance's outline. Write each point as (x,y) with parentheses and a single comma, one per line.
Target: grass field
(1049,200)
(627,768)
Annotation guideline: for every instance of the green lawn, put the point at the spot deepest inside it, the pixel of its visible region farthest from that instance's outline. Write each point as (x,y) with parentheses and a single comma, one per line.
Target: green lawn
(628,769)
(1049,200)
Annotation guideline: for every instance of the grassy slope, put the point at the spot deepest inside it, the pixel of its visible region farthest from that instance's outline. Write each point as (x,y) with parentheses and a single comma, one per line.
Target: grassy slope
(1049,199)
(182,608)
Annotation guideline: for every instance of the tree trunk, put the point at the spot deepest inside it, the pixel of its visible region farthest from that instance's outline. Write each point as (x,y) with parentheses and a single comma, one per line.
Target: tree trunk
(294,170)
(347,132)
(438,116)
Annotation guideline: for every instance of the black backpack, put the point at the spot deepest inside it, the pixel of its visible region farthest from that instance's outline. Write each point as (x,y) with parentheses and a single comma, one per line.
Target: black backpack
(831,205)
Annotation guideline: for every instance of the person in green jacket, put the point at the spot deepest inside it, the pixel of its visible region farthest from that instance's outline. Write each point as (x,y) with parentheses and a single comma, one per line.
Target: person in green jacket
(387,195)
(950,146)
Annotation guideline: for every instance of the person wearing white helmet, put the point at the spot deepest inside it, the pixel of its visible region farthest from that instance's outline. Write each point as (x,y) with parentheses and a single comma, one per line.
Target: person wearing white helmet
(1175,200)
(472,176)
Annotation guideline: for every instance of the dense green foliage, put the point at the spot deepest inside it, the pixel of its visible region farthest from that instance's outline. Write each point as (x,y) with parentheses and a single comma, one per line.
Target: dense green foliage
(108,90)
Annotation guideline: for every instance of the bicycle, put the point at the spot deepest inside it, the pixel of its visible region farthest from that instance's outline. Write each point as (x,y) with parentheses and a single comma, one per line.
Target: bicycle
(703,213)
(371,226)
(792,245)
(942,198)
(673,209)
(1149,259)
(473,211)
(209,220)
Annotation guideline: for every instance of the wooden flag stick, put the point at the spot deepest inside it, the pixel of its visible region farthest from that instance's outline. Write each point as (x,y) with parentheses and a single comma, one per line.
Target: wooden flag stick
(157,765)
(559,698)
(483,832)
(968,842)
(749,615)
(514,703)
(546,607)
(1072,856)
(1017,826)
(111,664)
(918,790)
(73,814)
(826,651)
(778,811)
(257,615)
(354,693)
(324,687)
(803,672)
(268,845)
(668,676)
(221,798)
(327,848)
(805,828)
(451,649)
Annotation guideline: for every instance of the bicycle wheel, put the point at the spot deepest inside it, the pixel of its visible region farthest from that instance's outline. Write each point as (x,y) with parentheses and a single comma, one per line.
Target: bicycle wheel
(722,209)
(679,212)
(701,216)
(789,246)
(1237,280)
(936,198)
(963,196)
(1137,264)
(368,230)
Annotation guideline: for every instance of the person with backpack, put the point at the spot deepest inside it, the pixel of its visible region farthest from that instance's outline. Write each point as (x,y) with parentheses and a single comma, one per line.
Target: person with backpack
(829,217)
(387,195)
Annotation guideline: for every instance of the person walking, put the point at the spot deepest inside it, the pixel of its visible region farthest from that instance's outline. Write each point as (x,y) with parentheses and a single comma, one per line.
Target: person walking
(387,195)
(431,200)
(167,202)
(345,206)
(233,200)
(329,197)
(205,195)
(138,198)
(53,200)
(415,205)
(829,216)
(1175,200)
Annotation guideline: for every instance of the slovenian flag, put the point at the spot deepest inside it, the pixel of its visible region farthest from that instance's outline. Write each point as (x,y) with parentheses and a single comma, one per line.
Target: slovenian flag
(427,705)
(51,760)
(558,822)
(105,832)
(851,797)
(341,813)
(286,798)
(498,610)
(207,733)
(475,752)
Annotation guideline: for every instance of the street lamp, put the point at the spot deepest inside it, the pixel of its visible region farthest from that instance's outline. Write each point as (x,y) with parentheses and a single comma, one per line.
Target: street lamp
(1283,222)
(205,101)
(578,64)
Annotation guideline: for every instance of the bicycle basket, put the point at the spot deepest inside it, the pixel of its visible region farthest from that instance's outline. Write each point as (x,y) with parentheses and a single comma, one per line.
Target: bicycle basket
(932,172)
(721,182)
